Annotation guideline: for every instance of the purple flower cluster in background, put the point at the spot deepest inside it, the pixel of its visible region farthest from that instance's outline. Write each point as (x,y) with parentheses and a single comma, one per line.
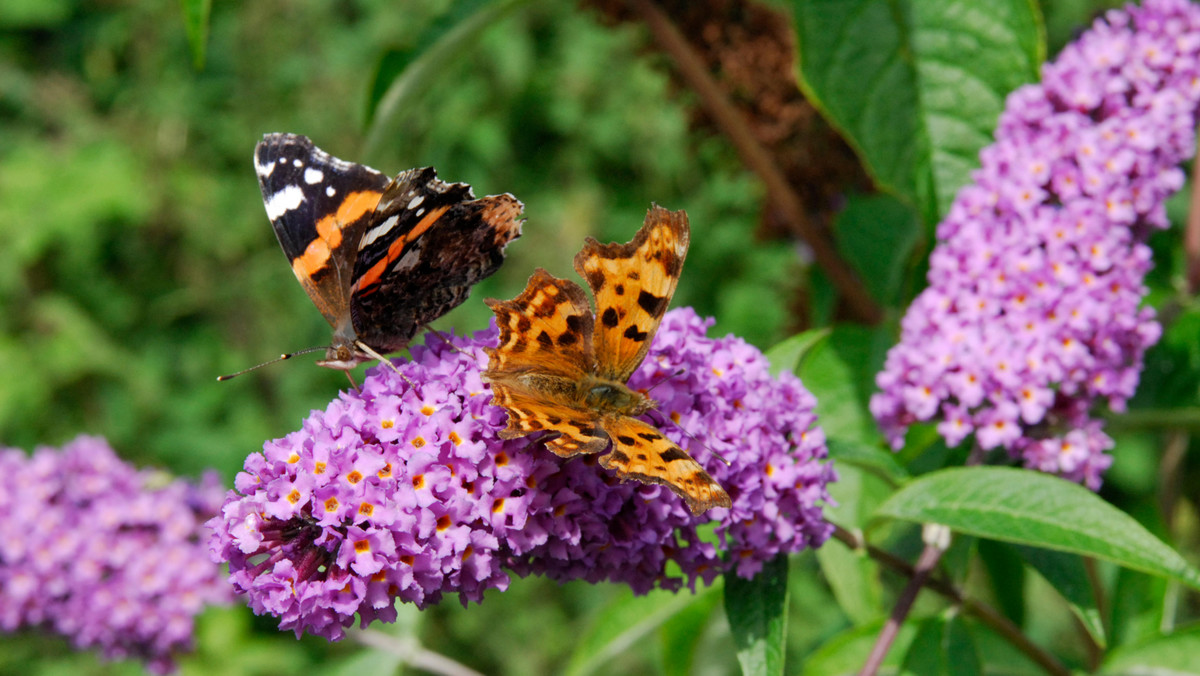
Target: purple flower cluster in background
(106,555)
(1031,317)
(408,493)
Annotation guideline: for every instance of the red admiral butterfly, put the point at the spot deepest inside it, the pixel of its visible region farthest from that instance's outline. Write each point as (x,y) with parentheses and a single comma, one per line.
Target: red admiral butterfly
(379,257)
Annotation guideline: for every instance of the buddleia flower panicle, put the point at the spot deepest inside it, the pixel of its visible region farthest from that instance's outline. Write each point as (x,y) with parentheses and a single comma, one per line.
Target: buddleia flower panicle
(104,554)
(1031,318)
(395,492)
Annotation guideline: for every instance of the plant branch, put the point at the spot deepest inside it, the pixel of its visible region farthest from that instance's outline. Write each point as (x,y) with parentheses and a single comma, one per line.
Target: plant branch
(926,563)
(413,654)
(756,157)
(981,611)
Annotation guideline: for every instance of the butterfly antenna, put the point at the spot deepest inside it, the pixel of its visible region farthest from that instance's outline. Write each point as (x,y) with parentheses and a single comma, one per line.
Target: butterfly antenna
(384,360)
(445,339)
(666,380)
(281,357)
(665,419)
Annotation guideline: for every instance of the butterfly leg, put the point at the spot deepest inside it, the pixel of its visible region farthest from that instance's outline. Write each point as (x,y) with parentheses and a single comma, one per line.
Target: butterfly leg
(383,360)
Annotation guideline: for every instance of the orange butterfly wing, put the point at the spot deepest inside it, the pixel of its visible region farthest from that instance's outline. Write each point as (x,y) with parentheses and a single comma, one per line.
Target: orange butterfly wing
(633,284)
(559,369)
(544,353)
(641,452)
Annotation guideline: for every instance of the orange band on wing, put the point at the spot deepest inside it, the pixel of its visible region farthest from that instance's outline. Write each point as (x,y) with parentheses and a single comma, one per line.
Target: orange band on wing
(397,247)
(329,232)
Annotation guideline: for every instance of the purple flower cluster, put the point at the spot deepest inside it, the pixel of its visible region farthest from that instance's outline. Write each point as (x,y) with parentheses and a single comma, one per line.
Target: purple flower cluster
(399,492)
(108,556)
(1031,317)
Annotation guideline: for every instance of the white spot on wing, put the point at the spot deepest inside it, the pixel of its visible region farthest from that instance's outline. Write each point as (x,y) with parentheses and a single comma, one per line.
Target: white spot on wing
(408,260)
(284,201)
(312,176)
(420,212)
(263,170)
(377,232)
(416,202)
(330,191)
(297,163)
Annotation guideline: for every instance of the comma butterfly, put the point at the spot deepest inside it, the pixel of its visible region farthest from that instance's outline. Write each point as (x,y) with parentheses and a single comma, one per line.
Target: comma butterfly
(557,369)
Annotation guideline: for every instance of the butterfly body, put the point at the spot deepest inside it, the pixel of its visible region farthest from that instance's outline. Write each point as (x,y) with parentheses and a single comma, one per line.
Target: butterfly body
(561,368)
(380,257)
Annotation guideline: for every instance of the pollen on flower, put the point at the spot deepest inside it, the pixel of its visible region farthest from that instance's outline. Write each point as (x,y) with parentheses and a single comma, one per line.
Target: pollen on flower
(501,459)
(418,481)
(366,509)
(362,546)
(295,496)
(331,504)
(455,439)
(428,410)
(354,477)
(387,423)
(468,552)
(498,506)
(418,442)
(293,458)
(319,467)
(385,472)
(675,417)
(443,522)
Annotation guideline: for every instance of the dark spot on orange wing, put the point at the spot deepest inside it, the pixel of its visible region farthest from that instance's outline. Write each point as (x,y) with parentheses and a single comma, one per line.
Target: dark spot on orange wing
(650,436)
(655,305)
(618,456)
(673,454)
(673,264)
(635,275)
(545,339)
(575,323)
(554,420)
(620,289)
(633,334)
(523,324)
(534,424)
(609,317)
(545,309)
(628,441)
(595,279)
(569,338)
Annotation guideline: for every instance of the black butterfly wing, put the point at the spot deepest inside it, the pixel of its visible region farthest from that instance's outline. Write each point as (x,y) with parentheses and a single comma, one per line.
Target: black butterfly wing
(429,242)
(319,207)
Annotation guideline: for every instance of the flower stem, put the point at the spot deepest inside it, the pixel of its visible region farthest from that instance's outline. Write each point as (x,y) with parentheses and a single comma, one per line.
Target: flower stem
(413,654)
(981,611)
(759,160)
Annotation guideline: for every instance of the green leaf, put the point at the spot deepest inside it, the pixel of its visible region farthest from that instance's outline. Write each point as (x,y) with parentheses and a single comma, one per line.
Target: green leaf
(195,22)
(833,371)
(854,579)
(1067,574)
(624,621)
(942,647)
(871,458)
(788,354)
(757,611)
(845,653)
(403,75)
(876,235)
(920,97)
(1173,655)
(681,633)
(1031,508)
(1007,573)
